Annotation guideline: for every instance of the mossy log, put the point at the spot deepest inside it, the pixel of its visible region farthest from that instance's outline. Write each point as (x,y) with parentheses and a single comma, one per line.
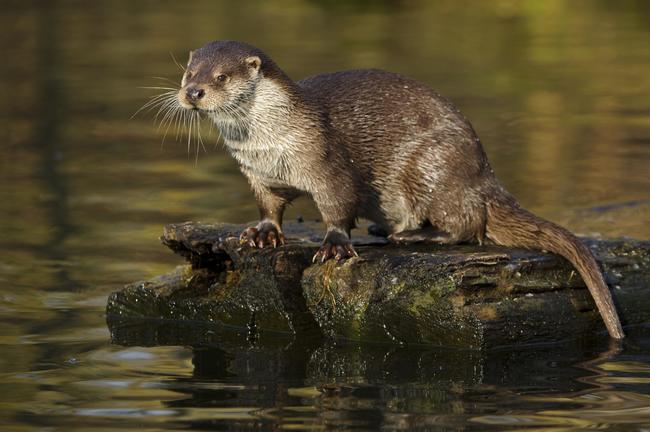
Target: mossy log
(463,296)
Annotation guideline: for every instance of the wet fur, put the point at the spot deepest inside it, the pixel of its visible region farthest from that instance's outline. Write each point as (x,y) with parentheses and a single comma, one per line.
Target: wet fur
(381,146)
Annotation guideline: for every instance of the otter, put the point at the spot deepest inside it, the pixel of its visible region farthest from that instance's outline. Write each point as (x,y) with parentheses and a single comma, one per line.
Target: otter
(366,144)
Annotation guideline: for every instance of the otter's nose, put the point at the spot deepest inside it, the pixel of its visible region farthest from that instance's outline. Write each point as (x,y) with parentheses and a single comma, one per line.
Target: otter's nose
(194,94)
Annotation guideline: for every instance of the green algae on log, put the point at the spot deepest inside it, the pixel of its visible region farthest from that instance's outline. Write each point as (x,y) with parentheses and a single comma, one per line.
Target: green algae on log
(463,296)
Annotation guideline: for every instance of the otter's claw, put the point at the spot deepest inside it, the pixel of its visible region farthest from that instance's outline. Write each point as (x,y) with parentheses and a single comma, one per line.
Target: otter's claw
(265,234)
(338,252)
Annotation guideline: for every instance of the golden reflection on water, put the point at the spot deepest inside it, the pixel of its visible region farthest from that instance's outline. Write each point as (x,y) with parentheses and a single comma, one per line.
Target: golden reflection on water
(559,93)
(601,405)
(599,409)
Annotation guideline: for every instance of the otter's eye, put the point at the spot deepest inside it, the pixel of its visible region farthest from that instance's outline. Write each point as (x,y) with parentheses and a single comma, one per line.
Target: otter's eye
(221,78)
(188,75)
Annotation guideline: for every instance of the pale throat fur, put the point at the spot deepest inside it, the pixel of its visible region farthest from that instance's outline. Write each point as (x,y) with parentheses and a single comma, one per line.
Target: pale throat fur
(260,136)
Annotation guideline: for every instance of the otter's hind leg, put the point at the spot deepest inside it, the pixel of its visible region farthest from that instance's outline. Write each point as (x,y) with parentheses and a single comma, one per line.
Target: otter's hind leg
(450,226)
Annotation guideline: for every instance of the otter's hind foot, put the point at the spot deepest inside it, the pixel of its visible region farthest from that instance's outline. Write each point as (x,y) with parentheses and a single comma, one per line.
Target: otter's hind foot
(427,234)
(335,245)
(266,233)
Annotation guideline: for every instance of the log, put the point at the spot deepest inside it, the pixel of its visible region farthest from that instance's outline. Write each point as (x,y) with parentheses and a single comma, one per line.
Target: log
(466,296)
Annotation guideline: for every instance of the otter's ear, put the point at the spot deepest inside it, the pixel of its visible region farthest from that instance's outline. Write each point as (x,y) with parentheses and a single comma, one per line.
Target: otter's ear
(254,62)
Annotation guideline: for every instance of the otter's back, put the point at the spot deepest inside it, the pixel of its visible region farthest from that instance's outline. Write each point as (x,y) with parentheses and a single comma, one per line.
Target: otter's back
(371,103)
(384,115)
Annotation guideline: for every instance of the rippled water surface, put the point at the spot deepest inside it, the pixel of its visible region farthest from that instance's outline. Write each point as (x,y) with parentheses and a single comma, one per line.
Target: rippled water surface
(559,91)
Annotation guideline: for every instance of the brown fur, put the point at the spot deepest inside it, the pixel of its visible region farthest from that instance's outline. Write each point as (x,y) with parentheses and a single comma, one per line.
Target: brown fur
(371,144)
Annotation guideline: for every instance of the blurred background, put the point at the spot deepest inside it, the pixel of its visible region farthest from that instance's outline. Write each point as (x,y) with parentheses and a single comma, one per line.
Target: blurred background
(558,91)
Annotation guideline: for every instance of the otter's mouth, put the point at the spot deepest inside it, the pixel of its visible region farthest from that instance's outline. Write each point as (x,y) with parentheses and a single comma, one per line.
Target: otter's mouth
(206,111)
(194,108)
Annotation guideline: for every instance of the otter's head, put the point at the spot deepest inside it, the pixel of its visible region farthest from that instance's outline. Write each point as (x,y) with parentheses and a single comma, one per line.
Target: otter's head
(221,76)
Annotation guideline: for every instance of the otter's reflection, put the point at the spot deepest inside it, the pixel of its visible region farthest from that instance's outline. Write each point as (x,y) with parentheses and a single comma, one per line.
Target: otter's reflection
(276,380)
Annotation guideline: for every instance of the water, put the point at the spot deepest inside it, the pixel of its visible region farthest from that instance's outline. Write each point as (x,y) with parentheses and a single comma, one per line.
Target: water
(558,91)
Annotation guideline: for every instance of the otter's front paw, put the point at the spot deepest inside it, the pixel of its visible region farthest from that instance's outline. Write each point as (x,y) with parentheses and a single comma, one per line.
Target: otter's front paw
(264,234)
(336,245)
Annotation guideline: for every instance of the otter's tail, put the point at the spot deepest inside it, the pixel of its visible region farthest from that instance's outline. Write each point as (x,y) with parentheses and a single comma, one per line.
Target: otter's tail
(510,225)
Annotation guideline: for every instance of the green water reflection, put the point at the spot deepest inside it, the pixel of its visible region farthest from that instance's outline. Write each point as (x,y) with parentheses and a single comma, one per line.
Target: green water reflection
(559,92)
